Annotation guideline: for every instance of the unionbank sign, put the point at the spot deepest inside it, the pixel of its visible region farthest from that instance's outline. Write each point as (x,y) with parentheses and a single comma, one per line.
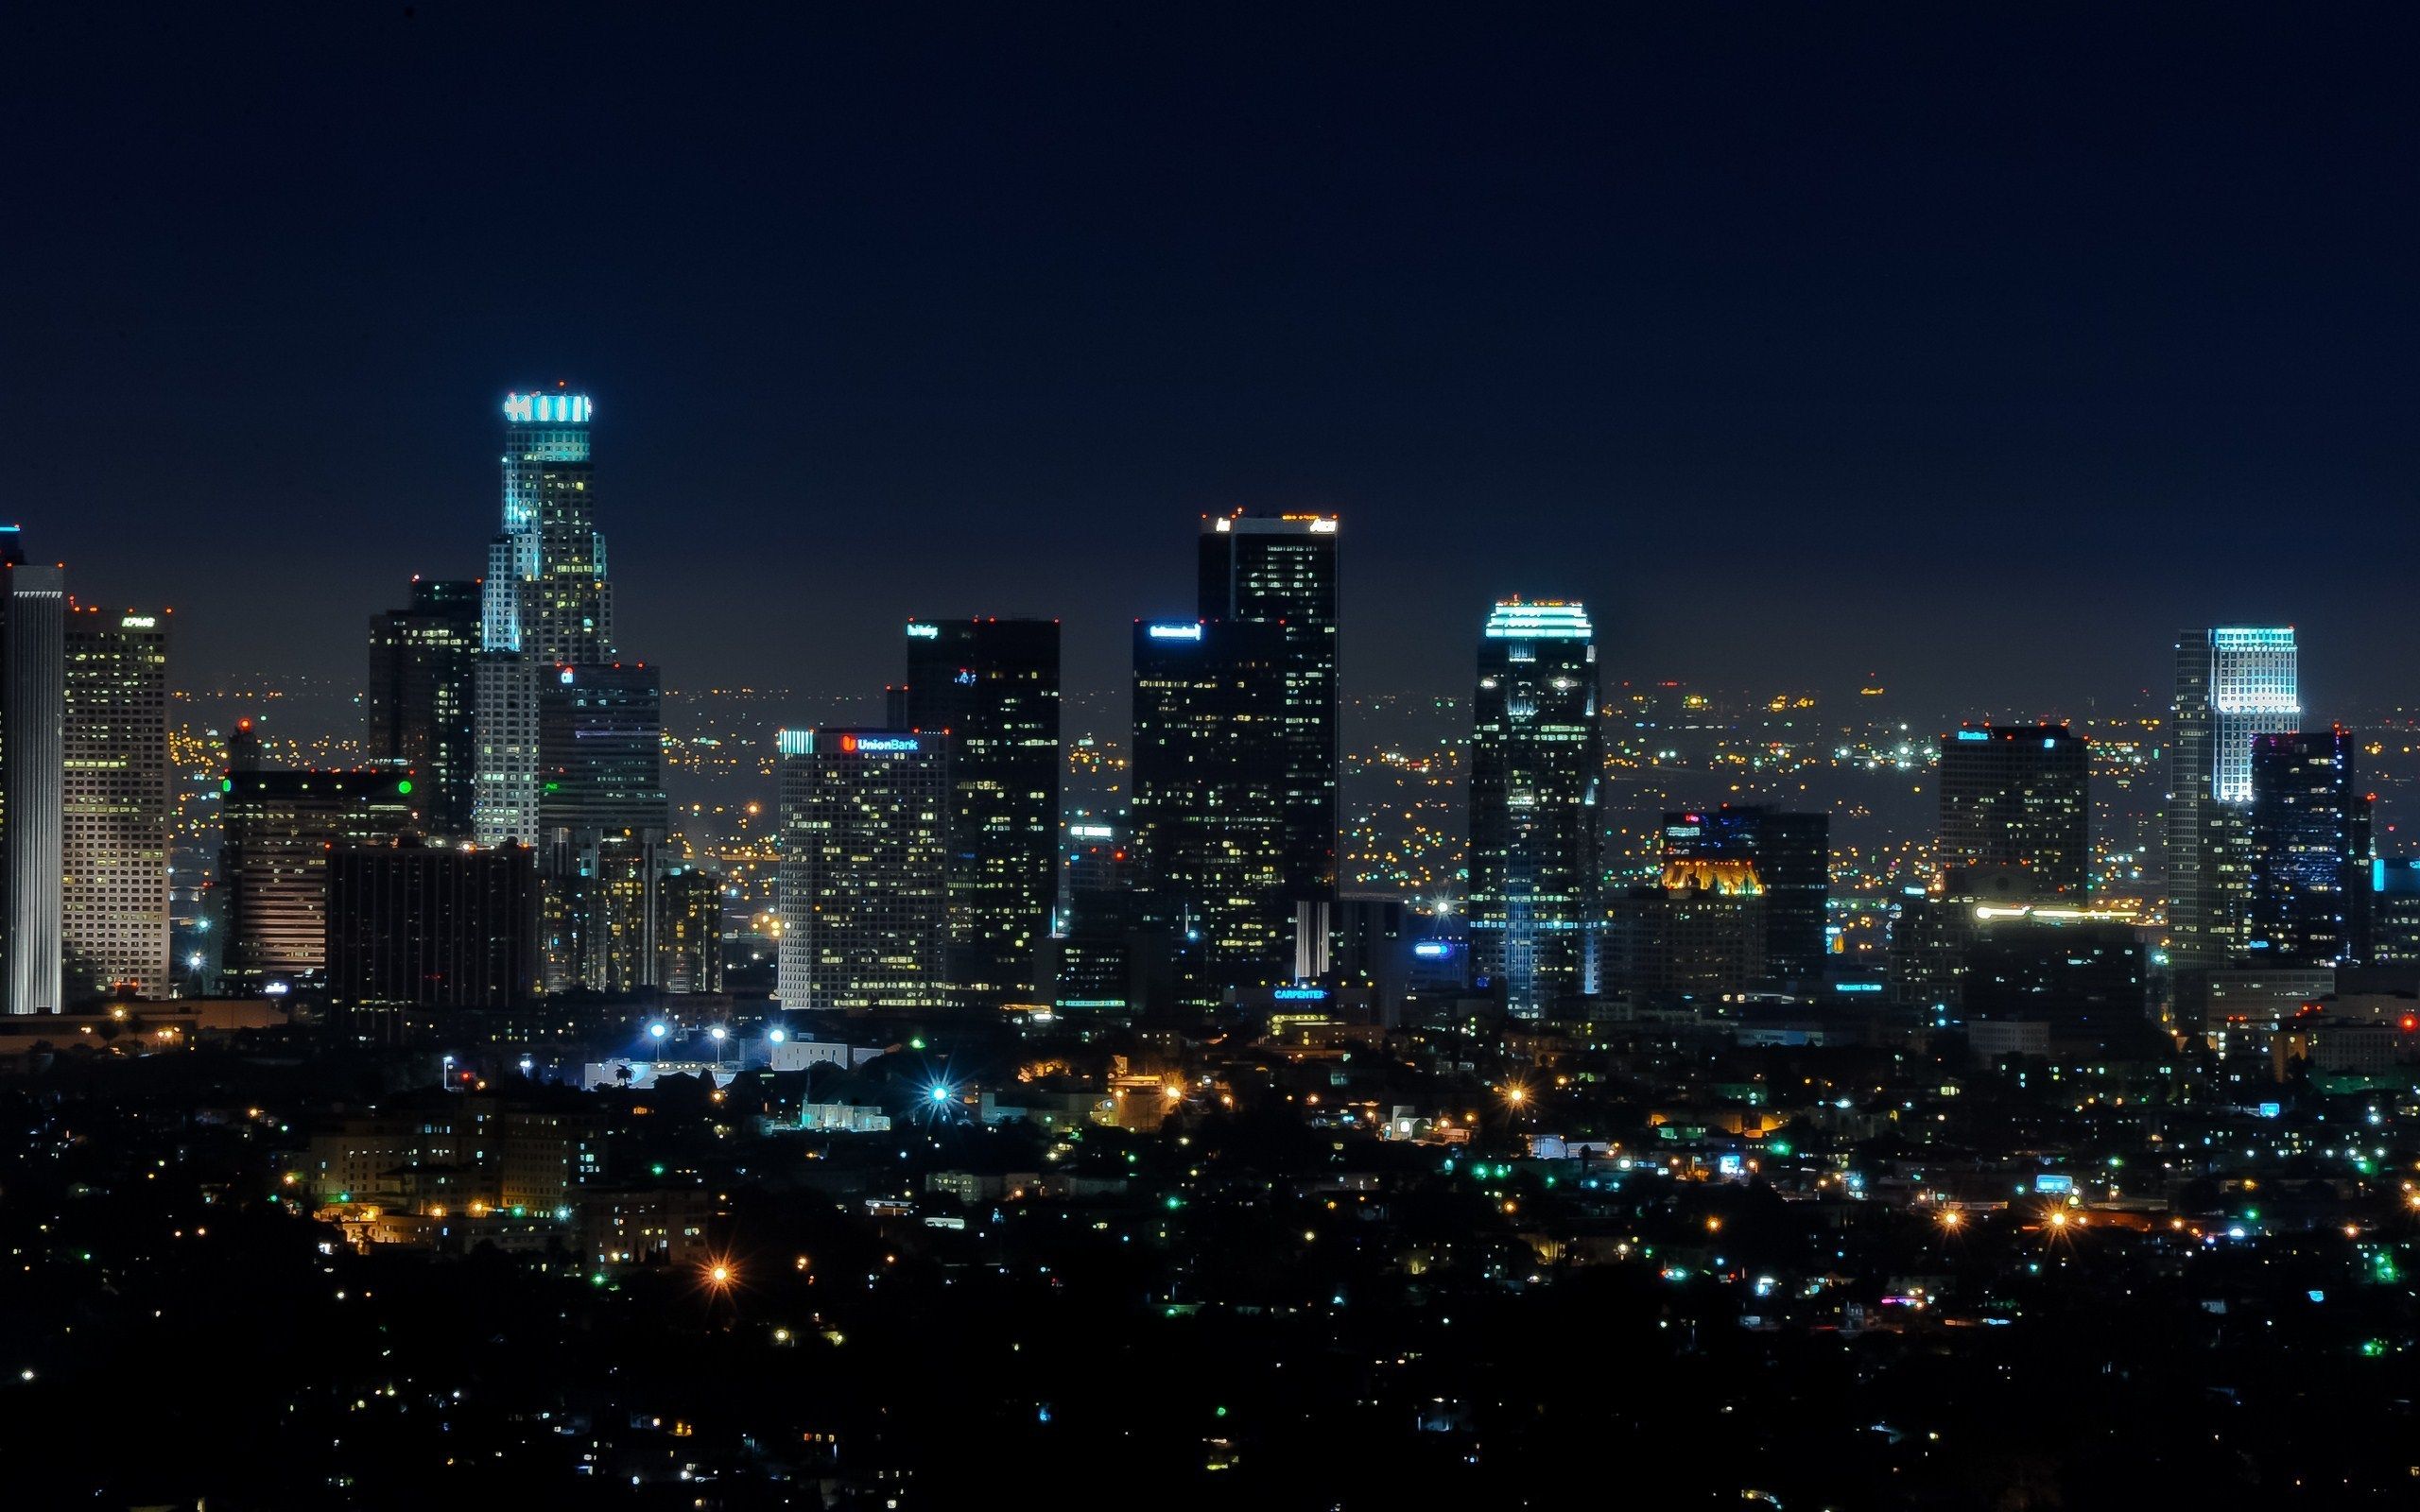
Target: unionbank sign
(878,745)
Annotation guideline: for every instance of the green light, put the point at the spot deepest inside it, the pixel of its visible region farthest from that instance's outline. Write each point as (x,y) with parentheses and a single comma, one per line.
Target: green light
(597,1280)
(521,1212)
(1175,1203)
(659,1170)
(916,1044)
(2372,1348)
(1222,1412)
(403,787)
(226,785)
(1779,1147)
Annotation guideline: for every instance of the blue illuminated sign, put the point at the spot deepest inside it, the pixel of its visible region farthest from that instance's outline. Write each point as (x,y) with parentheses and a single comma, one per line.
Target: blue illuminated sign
(1859,986)
(1175,632)
(2051,1185)
(547,410)
(1300,994)
(924,632)
(1434,950)
(1973,734)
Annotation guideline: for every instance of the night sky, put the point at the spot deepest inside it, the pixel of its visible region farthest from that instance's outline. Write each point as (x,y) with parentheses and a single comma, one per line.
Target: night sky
(1973,346)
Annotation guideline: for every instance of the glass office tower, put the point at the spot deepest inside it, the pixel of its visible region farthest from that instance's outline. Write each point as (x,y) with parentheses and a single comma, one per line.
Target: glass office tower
(546,602)
(1281,570)
(423,665)
(1209,809)
(1537,760)
(2232,683)
(2017,796)
(2309,827)
(991,686)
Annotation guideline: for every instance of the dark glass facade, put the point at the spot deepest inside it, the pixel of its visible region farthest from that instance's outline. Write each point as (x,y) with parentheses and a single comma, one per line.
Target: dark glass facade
(415,930)
(2017,796)
(992,685)
(1209,810)
(2309,842)
(1281,570)
(421,695)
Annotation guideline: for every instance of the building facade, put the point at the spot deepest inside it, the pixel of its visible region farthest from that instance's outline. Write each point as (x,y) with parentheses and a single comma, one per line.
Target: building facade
(546,603)
(415,931)
(423,694)
(1209,774)
(278,830)
(2308,824)
(1280,570)
(2232,683)
(1537,762)
(990,687)
(116,803)
(1792,854)
(33,733)
(2017,796)
(864,874)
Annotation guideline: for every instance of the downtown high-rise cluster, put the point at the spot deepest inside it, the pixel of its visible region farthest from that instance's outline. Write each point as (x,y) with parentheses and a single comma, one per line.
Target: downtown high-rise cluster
(507,840)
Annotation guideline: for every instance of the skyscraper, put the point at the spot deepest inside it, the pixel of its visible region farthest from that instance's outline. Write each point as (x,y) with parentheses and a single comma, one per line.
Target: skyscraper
(602,823)
(991,686)
(1536,905)
(2309,833)
(2017,796)
(2232,683)
(546,603)
(1281,570)
(423,665)
(1209,781)
(117,802)
(33,719)
(863,887)
(278,830)
(1791,853)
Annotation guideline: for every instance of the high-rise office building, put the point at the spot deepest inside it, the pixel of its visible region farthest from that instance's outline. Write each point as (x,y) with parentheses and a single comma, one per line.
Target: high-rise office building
(277,831)
(116,803)
(2232,683)
(1537,904)
(688,929)
(546,603)
(602,823)
(2309,827)
(2017,796)
(1209,772)
(864,874)
(415,930)
(1281,570)
(991,686)
(424,668)
(33,720)
(1791,853)
(570,738)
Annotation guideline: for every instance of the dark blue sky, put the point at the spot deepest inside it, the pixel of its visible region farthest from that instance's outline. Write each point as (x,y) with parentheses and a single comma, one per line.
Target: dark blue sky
(1974,346)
